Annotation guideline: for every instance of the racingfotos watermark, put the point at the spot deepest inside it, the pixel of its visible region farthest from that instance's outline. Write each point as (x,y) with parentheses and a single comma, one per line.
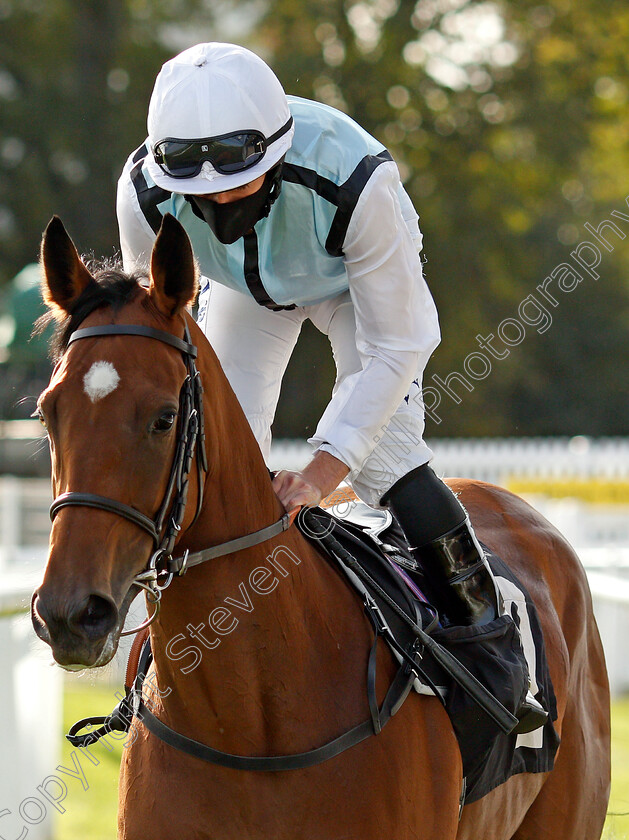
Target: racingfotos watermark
(534,311)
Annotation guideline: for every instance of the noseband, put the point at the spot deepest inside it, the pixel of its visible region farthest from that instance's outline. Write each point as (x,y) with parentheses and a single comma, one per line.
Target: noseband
(166,525)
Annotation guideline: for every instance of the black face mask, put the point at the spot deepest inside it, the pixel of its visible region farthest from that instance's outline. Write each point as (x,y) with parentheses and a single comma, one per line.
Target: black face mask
(230,221)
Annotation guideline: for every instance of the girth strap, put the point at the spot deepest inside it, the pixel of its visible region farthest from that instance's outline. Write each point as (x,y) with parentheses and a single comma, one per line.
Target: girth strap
(295,761)
(133,706)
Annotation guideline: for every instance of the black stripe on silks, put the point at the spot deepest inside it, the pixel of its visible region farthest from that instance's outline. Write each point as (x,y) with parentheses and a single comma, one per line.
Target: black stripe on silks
(148,197)
(140,153)
(252,274)
(351,190)
(309,178)
(345,196)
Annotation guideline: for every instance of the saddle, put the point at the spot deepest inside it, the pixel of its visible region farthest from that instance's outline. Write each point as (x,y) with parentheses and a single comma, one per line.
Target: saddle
(377,559)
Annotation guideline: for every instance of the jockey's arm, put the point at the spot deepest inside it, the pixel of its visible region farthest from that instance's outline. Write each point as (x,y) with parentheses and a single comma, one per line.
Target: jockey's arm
(396,327)
(136,237)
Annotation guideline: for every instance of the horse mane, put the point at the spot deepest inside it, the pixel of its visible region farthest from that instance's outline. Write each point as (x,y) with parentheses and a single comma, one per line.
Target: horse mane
(111,287)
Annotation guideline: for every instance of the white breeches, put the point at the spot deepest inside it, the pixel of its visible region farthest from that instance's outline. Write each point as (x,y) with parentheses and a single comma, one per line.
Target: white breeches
(254,346)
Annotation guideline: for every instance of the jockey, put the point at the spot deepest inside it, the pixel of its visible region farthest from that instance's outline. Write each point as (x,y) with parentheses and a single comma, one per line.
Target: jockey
(295,212)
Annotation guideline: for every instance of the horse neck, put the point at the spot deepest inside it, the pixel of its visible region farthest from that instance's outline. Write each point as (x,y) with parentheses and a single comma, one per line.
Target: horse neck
(278,602)
(238,496)
(238,499)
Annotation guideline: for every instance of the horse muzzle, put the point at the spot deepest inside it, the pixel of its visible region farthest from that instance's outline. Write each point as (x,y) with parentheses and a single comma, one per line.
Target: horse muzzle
(82,634)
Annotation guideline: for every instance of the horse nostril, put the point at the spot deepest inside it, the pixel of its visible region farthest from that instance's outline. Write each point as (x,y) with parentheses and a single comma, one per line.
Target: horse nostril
(95,618)
(39,617)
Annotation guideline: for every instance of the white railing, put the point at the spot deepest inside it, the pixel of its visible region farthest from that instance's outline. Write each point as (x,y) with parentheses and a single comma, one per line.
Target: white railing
(22,452)
(498,460)
(610,596)
(30,711)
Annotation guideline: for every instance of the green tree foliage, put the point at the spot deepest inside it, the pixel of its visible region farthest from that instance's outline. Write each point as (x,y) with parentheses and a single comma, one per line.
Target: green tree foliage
(508,121)
(75,81)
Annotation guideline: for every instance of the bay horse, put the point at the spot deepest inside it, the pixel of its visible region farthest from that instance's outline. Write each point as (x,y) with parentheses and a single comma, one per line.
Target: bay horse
(263,651)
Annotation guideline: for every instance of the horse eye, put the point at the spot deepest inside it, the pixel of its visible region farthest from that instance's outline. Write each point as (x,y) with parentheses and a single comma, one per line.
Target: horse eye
(37,414)
(165,422)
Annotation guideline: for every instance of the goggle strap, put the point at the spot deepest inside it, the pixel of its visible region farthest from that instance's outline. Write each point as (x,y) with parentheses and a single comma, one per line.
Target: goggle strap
(280,133)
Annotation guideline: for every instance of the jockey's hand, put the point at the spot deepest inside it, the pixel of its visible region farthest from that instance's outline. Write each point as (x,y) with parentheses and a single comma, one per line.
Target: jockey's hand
(316,481)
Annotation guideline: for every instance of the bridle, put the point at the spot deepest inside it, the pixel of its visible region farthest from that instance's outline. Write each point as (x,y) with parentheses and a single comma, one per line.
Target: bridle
(165,527)
(166,524)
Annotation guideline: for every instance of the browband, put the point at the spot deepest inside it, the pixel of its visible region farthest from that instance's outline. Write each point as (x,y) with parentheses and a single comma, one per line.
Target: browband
(135,329)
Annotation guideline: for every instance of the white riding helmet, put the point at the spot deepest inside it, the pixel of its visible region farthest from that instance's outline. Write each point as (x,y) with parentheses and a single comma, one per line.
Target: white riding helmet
(214,92)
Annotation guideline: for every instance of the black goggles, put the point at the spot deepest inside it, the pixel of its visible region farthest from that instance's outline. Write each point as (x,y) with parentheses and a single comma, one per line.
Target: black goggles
(228,153)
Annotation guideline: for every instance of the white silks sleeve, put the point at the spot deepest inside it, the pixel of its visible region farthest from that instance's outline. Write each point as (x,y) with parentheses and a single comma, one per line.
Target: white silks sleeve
(136,235)
(397,327)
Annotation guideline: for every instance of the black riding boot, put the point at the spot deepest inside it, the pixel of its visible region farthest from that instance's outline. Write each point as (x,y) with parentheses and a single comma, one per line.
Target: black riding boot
(456,576)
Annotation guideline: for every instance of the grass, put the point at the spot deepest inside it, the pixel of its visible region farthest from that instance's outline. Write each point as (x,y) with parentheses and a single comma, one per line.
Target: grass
(91,814)
(617,824)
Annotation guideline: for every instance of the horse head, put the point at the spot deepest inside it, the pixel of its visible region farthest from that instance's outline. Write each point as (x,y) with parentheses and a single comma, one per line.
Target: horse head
(112,411)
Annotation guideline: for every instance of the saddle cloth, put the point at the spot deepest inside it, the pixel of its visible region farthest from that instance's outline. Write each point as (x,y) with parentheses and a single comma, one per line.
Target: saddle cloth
(491,652)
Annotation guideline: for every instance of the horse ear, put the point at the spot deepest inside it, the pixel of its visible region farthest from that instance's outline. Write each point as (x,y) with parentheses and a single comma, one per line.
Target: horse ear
(64,276)
(174,274)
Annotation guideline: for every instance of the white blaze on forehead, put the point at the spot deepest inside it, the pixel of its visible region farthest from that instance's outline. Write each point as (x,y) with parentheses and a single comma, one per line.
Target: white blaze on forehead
(101,379)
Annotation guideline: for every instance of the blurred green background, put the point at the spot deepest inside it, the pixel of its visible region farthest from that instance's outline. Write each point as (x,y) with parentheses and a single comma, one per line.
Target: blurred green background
(509,123)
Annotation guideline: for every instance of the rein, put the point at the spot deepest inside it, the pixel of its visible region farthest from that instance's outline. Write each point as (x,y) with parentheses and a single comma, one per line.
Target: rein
(165,527)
